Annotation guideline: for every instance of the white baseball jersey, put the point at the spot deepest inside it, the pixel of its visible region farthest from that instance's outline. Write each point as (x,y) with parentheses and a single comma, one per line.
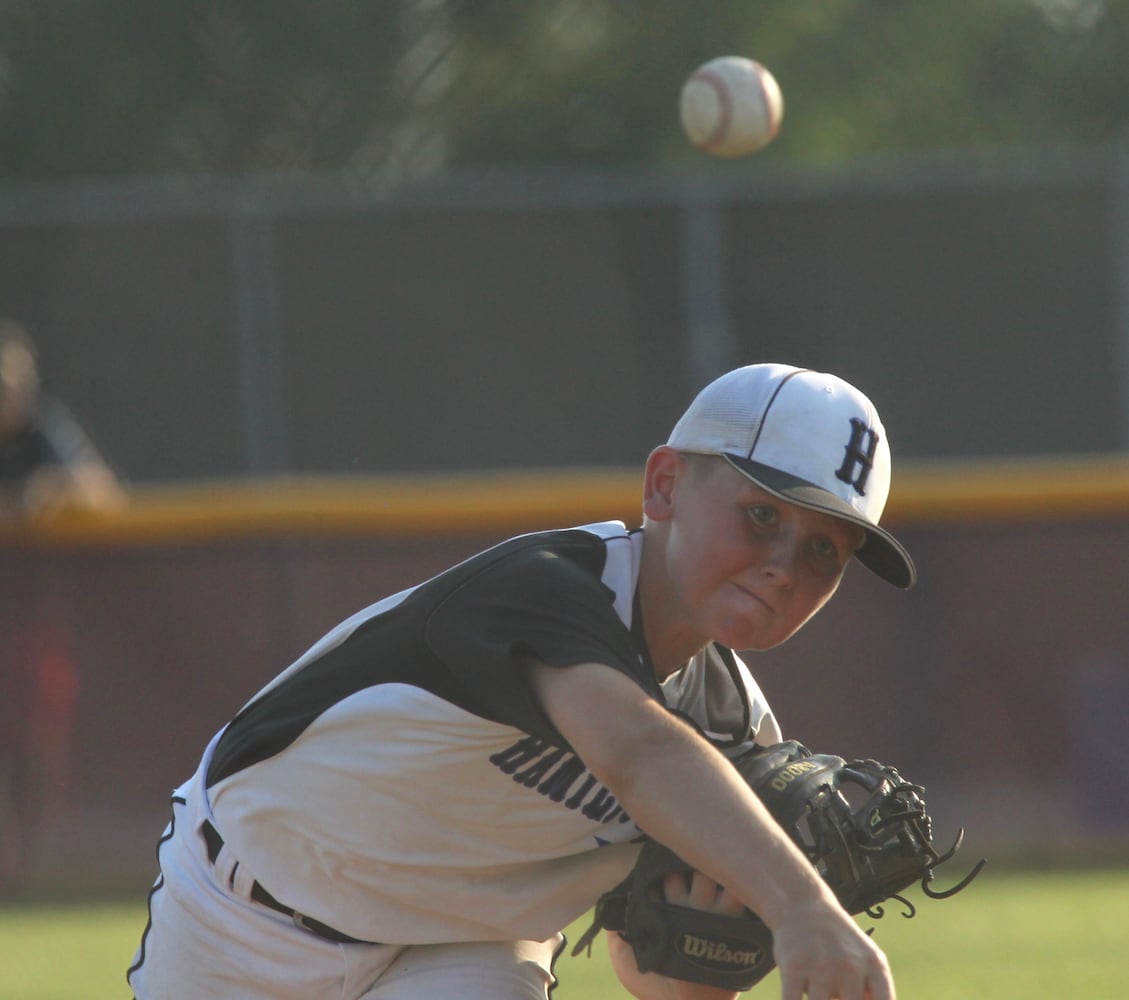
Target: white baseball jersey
(400,781)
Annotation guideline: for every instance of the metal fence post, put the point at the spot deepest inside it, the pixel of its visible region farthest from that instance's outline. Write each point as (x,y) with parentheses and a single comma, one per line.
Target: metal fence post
(705,309)
(260,342)
(1119,259)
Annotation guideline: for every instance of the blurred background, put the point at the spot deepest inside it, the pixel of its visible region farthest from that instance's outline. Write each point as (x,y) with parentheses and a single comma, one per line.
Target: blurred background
(338,293)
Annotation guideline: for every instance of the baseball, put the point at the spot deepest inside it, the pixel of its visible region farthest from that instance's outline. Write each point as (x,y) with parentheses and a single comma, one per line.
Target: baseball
(731,106)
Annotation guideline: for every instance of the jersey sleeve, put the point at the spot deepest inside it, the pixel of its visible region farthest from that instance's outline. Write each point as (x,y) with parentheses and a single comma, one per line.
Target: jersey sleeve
(718,693)
(534,604)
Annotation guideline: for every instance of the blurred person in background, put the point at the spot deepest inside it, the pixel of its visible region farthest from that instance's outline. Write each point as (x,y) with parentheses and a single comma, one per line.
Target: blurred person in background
(47,464)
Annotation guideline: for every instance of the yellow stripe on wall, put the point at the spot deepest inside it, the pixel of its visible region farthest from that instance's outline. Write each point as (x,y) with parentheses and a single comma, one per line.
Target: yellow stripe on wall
(441,505)
(1011,489)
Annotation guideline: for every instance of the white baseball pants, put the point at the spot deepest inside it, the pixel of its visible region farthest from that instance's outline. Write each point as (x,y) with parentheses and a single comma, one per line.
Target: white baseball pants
(208,940)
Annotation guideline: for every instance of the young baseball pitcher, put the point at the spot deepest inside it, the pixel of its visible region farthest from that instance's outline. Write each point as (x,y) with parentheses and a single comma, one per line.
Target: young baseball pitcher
(418,805)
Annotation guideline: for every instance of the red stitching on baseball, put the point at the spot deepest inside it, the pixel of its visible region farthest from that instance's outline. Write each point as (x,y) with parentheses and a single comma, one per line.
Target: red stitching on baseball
(773,119)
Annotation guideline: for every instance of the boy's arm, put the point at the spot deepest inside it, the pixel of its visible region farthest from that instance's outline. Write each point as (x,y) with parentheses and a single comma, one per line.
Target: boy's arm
(685,794)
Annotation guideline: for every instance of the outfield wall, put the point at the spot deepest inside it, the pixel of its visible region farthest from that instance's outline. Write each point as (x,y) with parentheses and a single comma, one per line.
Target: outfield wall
(999,681)
(220,327)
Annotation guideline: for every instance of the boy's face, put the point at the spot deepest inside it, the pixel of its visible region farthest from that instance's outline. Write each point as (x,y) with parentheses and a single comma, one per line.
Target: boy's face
(19,385)
(747,568)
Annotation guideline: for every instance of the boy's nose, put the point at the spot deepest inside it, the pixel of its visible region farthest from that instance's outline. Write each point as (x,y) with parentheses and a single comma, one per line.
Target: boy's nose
(783,557)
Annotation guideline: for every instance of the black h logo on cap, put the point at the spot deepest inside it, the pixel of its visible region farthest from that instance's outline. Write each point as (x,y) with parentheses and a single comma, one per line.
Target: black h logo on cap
(859,456)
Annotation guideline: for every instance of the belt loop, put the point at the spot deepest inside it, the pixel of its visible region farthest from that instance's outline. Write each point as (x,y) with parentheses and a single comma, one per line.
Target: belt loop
(212,840)
(257,893)
(223,862)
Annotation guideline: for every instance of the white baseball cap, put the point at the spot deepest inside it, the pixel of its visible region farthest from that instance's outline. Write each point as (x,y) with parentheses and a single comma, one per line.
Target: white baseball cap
(808,438)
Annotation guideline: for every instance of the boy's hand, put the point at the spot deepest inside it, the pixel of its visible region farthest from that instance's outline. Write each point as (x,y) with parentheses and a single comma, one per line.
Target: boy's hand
(822,954)
(700,892)
(652,985)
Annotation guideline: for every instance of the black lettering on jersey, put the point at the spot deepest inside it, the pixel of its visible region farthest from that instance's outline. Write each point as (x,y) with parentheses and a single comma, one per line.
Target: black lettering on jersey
(601,806)
(532,775)
(556,786)
(553,772)
(520,754)
(577,799)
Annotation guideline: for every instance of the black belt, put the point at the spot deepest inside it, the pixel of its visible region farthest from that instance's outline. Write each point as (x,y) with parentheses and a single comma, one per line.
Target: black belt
(215,844)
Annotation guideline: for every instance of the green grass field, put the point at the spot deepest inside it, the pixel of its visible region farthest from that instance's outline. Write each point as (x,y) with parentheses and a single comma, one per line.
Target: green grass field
(1011,936)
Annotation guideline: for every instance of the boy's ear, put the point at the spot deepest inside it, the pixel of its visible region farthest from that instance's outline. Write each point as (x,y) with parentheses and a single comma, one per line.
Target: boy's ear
(663,470)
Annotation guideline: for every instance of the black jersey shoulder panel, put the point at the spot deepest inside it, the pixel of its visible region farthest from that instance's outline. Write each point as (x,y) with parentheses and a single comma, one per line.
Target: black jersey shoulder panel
(459,636)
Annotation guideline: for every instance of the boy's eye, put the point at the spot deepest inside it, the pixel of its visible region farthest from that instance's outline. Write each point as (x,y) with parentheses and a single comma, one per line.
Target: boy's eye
(763,514)
(825,548)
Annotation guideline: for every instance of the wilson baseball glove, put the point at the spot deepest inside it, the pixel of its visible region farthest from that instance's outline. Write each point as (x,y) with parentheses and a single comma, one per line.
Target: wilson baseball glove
(862,825)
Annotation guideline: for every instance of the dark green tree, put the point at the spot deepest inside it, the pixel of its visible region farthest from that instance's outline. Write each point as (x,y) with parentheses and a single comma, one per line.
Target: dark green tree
(110,87)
